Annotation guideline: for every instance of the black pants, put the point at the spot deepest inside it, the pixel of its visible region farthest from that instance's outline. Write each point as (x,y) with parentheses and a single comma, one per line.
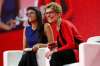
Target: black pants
(61,58)
(28,59)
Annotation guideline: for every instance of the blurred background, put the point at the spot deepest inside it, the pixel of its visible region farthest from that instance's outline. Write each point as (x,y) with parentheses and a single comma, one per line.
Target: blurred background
(84,14)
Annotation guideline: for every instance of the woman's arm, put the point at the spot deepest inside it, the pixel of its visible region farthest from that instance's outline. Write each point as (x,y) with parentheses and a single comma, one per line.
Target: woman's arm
(68,36)
(24,39)
(49,33)
(4,26)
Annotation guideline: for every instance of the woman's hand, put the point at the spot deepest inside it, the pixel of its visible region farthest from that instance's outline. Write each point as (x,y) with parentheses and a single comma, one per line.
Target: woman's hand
(52,45)
(35,48)
(49,53)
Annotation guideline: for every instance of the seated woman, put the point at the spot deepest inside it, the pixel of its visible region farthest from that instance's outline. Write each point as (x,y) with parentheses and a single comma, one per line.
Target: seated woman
(35,36)
(66,35)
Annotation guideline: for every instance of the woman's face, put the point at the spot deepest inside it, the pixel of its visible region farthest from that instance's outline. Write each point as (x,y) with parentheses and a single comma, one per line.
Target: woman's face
(31,14)
(51,15)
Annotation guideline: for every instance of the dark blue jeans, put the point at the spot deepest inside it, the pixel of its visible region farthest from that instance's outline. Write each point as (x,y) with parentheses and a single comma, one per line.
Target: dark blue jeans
(61,58)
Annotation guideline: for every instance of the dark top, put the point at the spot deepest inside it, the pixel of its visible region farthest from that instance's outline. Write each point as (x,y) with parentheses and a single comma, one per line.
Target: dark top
(10,10)
(35,36)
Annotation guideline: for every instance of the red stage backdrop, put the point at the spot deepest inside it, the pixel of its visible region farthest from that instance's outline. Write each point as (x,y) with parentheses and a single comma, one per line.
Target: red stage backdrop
(86,18)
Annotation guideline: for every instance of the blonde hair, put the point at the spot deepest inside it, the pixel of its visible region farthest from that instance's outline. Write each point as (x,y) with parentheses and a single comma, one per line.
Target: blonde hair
(55,6)
(58,9)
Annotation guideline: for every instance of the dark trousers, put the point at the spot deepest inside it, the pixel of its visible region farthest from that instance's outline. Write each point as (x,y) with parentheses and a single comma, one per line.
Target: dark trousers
(61,58)
(28,59)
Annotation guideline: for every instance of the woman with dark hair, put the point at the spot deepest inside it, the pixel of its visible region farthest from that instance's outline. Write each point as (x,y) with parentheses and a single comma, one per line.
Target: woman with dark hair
(35,36)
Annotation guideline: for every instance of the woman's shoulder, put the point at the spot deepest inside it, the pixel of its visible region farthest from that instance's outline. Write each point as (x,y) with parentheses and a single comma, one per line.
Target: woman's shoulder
(67,23)
(46,25)
(27,28)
